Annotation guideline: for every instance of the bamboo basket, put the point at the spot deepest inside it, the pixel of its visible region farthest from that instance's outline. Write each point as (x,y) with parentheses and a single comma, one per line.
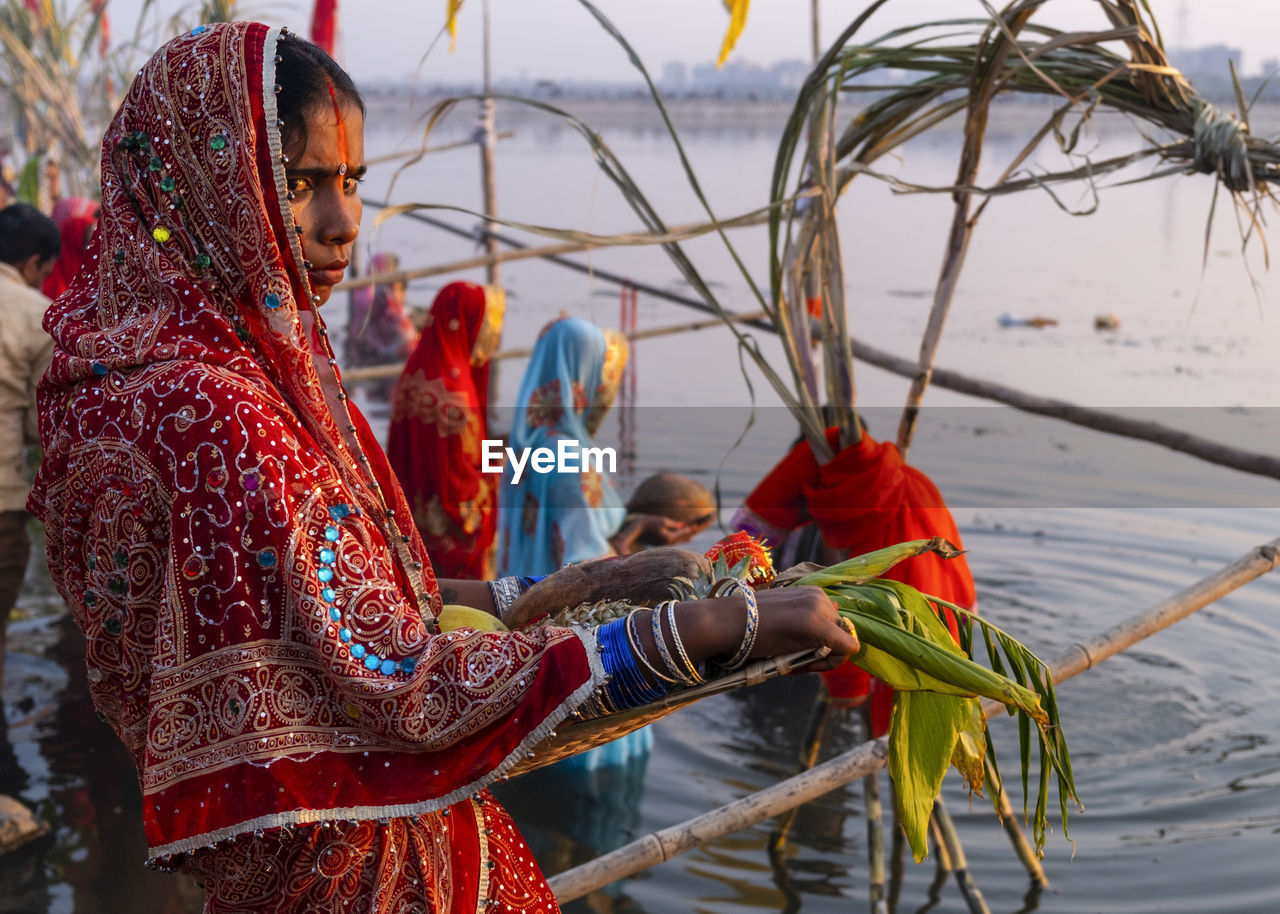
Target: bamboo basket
(575,735)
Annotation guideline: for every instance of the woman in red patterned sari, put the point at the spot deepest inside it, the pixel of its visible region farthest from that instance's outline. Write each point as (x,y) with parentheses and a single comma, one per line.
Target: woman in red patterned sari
(438,422)
(258,608)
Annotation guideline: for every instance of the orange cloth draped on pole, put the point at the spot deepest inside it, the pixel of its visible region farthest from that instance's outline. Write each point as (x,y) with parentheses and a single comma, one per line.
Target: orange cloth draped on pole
(864,499)
(324,24)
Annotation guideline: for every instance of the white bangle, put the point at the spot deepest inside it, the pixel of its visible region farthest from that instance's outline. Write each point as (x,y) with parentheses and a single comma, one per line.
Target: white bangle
(724,589)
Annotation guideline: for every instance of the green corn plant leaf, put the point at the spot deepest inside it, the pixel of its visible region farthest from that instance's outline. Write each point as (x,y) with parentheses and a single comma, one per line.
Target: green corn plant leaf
(941,662)
(969,753)
(866,600)
(898,673)
(917,606)
(906,643)
(862,568)
(922,739)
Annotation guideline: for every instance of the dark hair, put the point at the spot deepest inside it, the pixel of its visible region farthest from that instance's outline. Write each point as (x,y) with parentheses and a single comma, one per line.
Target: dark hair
(24,231)
(304,73)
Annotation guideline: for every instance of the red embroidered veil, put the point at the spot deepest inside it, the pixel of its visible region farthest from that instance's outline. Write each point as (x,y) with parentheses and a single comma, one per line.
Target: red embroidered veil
(257,603)
(438,422)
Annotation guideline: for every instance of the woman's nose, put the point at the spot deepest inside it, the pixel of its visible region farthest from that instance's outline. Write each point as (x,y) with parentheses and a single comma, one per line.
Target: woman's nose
(340,219)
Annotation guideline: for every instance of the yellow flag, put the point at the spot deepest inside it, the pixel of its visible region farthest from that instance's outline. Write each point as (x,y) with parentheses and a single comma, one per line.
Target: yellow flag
(452,16)
(737,19)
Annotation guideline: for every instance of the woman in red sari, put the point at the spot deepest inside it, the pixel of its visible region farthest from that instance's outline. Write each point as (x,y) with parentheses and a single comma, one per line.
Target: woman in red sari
(259,613)
(438,421)
(865,498)
(75,218)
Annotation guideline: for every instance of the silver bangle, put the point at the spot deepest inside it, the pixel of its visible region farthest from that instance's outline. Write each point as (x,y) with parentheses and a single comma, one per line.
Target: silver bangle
(505,592)
(660,640)
(633,641)
(724,589)
(676,643)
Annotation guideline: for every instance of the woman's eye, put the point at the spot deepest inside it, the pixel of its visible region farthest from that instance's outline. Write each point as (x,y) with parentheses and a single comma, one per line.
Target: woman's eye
(297,185)
(351,184)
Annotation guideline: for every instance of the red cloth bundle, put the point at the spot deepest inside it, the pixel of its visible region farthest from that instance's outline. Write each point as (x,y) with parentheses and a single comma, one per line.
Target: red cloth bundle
(864,499)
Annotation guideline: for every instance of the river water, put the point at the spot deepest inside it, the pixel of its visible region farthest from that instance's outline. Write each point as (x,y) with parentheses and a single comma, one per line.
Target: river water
(1068,531)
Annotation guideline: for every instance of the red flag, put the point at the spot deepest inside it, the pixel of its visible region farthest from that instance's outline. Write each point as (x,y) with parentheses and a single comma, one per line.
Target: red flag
(104,27)
(324,24)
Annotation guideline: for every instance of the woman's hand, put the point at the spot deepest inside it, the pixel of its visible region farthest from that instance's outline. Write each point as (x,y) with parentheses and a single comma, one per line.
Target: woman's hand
(800,618)
(649,530)
(792,619)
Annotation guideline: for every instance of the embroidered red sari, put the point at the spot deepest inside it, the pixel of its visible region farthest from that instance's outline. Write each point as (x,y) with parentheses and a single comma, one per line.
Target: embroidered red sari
(258,607)
(438,422)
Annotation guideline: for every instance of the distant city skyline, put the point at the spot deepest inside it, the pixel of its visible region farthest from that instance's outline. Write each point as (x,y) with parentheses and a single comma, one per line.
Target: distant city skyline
(560,41)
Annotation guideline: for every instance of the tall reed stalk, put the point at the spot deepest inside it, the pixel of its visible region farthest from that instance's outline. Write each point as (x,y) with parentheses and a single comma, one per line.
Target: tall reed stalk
(61,79)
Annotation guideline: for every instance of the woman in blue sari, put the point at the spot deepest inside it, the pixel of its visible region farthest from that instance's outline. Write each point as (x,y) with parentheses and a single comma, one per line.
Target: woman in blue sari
(548,519)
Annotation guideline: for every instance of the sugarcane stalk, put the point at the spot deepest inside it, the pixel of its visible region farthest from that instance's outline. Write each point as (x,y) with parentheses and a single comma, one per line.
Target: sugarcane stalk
(981,92)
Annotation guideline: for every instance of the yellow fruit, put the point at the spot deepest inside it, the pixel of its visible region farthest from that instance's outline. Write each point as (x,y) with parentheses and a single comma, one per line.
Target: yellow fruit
(455,616)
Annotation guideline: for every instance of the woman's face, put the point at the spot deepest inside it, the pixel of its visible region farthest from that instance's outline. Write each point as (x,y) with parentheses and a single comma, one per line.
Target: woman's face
(324,183)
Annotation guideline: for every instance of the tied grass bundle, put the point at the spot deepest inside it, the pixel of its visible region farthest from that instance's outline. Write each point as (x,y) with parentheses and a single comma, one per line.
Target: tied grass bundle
(937,715)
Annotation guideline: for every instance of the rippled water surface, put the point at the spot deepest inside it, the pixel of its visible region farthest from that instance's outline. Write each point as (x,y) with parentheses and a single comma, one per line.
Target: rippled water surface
(1173,742)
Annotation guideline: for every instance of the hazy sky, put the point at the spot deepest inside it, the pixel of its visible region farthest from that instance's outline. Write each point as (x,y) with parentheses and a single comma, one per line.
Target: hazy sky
(558,39)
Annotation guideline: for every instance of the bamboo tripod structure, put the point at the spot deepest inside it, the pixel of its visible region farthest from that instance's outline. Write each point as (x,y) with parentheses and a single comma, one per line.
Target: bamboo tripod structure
(871,756)
(1111,423)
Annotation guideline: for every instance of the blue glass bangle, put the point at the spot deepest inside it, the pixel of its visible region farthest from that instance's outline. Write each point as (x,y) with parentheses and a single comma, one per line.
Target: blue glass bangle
(627,687)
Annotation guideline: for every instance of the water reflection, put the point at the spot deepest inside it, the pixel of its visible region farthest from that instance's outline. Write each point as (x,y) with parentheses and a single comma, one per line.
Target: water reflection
(571,816)
(85,785)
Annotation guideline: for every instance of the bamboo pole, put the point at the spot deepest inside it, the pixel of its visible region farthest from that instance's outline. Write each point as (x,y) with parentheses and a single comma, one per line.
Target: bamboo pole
(873,809)
(870,756)
(550,252)
(487,143)
(960,864)
(428,150)
(662,845)
(469,263)
(1013,828)
(1086,417)
(809,748)
(874,812)
(378,372)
